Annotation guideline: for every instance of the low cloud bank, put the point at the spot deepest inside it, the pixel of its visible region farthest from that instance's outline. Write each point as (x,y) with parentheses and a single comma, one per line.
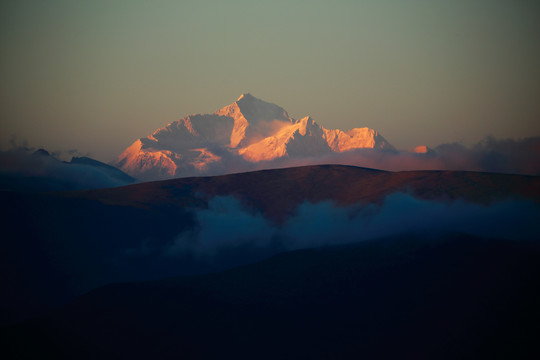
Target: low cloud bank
(226,224)
(490,155)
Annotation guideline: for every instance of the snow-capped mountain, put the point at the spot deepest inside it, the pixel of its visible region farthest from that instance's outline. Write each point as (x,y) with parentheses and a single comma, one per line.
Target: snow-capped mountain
(234,138)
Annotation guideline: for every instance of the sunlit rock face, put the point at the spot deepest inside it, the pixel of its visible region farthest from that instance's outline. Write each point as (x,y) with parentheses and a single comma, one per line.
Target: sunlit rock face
(247,132)
(254,119)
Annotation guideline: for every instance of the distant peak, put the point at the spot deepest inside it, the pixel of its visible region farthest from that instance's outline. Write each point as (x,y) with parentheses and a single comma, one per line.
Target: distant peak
(42,152)
(307,120)
(423,149)
(246,96)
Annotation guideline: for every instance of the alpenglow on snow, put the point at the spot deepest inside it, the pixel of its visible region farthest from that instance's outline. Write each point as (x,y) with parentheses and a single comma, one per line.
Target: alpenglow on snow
(249,134)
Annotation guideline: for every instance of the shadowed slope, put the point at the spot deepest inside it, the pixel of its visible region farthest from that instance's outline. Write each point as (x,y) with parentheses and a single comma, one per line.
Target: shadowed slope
(453,297)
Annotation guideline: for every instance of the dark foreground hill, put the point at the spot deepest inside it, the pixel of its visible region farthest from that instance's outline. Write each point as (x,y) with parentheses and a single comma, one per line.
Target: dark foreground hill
(412,297)
(57,246)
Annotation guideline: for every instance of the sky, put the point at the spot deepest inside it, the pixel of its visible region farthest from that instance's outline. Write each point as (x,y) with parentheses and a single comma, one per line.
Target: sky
(96,75)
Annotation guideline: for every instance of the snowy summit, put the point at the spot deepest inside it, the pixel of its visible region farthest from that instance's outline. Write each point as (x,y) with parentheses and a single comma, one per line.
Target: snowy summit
(248,131)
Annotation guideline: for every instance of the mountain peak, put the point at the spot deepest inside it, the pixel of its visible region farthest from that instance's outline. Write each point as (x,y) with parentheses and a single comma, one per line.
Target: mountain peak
(246,96)
(423,149)
(306,119)
(42,152)
(248,130)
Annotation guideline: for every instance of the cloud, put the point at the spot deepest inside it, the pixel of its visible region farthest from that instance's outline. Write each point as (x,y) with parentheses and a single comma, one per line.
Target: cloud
(226,224)
(15,143)
(490,155)
(508,155)
(67,155)
(22,170)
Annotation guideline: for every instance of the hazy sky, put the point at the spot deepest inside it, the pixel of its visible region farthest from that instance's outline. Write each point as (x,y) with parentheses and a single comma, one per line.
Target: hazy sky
(96,75)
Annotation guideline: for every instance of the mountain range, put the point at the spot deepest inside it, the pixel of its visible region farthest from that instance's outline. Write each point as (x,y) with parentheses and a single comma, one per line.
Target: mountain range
(27,170)
(247,131)
(270,259)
